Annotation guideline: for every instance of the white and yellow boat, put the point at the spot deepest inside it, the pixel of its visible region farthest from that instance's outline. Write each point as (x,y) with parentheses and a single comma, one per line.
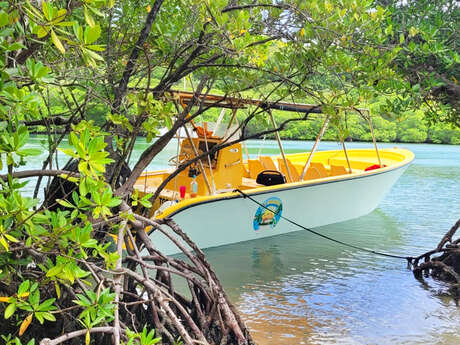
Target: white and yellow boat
(322,188)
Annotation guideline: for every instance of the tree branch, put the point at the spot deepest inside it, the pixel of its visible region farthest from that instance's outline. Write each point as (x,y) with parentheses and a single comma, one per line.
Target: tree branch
(34,173)
(67,336)
(243,7)
(156,147)
(123,85)
(448,237)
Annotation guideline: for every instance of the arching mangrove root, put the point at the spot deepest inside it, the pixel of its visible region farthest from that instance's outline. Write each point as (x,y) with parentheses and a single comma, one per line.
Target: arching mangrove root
(442,263)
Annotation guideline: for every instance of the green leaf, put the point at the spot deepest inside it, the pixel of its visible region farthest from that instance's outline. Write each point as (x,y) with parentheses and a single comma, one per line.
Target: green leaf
(48,316)
(60,16)
(42,31)
(65,203)
(30,152)
(34,297)
(92,34)
(69,152)
(47,305)
(58,289)
(3,18)
(54,271)
(23,287)
(6,32)
(10,310)
(401,38)
(11,238)
(15,46)
(65,24)
(91,243)
(88,18)
(4,243)
(96,47)
(57,42)
(114,202)
(45,10)
(39,316)
(83,188)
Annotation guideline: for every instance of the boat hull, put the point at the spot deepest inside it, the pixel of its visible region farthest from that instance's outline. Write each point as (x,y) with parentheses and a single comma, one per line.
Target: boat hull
(233,218)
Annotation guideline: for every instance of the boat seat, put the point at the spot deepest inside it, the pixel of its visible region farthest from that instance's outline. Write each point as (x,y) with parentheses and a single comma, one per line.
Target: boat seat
(268,163)
(292,169)
(337,170)
(249,183)
(312,173)
(254,167)
(320,168)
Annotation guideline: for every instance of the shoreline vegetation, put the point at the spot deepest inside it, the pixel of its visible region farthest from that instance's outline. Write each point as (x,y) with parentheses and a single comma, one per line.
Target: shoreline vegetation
(407,127)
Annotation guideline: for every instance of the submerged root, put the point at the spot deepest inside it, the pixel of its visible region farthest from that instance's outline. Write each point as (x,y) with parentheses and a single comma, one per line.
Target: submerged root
(442,263)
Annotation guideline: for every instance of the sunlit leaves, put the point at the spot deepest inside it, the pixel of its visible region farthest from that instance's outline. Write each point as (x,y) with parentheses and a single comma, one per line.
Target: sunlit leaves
(37,72)
(145,337)
(84,41)
(57,42)
(50,21)
(66,270)
(427,56)
(143,200)
(26,231)
(98,307)
(90,153)
(5,238)
(18,101)
(92,34)
(413,31)
(12,146)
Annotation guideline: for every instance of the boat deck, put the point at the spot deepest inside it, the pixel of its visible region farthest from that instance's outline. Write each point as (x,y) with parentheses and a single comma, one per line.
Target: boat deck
(325,166)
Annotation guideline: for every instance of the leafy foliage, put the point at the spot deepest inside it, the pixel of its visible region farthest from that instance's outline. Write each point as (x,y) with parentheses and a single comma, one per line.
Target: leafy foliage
(95,74)
(429,56)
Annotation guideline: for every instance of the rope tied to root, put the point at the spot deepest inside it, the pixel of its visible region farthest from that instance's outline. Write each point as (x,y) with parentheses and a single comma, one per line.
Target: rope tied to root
(408,258)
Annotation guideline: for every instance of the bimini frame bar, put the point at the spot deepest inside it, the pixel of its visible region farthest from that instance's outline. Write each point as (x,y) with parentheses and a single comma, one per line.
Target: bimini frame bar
(209,100)
(241,103)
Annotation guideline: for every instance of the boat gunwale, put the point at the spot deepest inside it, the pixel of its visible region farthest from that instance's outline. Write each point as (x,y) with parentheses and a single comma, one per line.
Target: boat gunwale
(285,186)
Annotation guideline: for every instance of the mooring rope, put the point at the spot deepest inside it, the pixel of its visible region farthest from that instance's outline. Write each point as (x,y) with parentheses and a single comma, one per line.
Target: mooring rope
(408,258)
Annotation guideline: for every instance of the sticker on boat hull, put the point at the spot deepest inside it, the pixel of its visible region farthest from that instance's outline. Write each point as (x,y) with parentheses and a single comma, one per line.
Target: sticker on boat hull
(269,215)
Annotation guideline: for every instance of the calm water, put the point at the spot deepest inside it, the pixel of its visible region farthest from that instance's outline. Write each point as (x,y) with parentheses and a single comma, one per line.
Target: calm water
(299,289)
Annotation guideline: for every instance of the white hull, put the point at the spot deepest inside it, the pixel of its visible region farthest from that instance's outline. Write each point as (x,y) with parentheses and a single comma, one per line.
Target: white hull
(231,219)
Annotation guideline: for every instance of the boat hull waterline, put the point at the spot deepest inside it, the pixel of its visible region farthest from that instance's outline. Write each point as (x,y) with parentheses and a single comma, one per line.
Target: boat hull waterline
(231,218)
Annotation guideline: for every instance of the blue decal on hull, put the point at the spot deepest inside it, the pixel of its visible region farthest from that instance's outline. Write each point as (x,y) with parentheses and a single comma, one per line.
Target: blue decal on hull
(268,215)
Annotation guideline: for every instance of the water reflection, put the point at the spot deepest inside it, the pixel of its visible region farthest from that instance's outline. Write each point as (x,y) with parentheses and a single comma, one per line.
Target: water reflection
(298,288)
(273,258)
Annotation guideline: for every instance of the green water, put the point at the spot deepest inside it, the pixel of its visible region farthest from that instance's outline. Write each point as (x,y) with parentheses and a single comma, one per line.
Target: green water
(299,289)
